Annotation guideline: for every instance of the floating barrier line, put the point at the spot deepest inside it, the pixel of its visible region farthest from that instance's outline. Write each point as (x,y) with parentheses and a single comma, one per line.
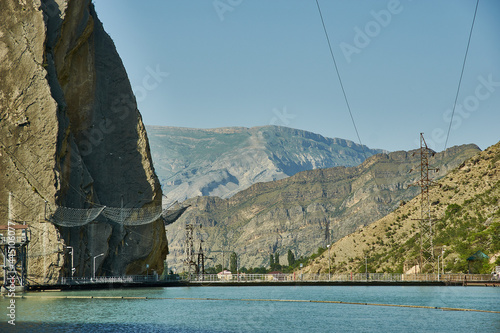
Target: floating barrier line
(254,300)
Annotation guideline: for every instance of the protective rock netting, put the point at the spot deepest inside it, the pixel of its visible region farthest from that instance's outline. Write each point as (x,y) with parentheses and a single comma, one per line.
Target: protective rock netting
(74,217)
(133,216)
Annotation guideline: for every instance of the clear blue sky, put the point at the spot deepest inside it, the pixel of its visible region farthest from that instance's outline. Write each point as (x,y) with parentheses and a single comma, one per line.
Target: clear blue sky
(259,62)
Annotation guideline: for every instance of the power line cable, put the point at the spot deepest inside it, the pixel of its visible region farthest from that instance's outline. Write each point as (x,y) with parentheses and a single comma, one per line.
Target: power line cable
(377,185)
(339,77)
(461,75)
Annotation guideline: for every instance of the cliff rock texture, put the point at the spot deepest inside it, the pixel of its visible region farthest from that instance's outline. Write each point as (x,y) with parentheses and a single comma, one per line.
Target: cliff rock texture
(71,136)
(305,211)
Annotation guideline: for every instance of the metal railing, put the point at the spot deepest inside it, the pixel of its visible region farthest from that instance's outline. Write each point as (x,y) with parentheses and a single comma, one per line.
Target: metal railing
(292,277)
(139,279)
(358,277)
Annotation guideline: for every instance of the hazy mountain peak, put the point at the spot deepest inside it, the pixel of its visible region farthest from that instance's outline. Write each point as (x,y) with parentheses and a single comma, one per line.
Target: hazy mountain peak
(223,161)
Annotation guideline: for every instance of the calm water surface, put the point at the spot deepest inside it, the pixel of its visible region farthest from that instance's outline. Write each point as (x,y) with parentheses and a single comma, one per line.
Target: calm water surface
(236,315)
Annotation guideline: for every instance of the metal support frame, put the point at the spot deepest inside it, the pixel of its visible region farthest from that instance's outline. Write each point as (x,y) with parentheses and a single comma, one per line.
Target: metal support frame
(426,223)
(200,268)
(14,242)
(93,266)
(189,248)
(72,259)
(14,248)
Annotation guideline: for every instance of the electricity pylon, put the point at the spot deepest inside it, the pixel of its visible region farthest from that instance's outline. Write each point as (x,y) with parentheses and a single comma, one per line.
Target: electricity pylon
(426,223)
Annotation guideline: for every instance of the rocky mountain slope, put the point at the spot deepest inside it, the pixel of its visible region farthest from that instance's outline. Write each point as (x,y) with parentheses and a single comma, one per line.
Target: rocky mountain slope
(71,135)
(223,161)
(466,210)
(305,211)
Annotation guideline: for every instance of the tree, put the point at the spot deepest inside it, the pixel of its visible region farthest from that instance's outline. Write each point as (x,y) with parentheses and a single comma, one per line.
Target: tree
(233,262)
(259,270)
(271,261)
(291,258)
(211,270)
(218,268)
(277,261)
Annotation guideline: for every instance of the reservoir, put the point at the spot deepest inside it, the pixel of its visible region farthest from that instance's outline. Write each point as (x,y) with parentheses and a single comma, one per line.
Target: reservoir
(259,309)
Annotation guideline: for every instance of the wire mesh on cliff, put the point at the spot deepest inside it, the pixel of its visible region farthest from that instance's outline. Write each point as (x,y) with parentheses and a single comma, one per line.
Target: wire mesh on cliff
(74,217)
(133,216)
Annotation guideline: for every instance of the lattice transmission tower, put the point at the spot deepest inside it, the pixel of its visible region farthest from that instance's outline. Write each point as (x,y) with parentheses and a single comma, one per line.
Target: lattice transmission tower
(189,248)
(194,260)
(426,223)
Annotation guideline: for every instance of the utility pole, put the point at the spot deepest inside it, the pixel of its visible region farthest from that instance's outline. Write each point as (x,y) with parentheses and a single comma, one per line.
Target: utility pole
(200,268)
(189,261)
(329,263)
(425,221)
(442,258)
(438,266)
(327,232)
(219,251)
(366,267)
(94,268)
(72,260)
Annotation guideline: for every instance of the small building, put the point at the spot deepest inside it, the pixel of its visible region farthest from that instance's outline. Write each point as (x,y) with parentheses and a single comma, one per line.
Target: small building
(225,275)
(478,257)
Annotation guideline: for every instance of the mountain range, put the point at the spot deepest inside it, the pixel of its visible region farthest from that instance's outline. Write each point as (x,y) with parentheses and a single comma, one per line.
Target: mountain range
(465,209)
(305,211)
(224,161)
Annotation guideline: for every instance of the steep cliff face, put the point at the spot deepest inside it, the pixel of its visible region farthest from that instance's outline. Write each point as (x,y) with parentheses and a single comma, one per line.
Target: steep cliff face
(305,211)
(71,135)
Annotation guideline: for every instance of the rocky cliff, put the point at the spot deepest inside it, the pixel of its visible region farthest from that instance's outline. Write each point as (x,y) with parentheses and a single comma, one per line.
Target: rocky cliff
(223,161)
(465,207)
(71,136)
(305,211)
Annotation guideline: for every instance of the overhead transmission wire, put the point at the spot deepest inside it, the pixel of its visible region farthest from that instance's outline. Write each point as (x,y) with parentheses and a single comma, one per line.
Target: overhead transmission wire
(340,79)
(345,95)
(461,75)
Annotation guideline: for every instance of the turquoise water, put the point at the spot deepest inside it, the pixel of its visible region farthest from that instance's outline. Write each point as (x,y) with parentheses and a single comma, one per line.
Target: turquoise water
(236,315)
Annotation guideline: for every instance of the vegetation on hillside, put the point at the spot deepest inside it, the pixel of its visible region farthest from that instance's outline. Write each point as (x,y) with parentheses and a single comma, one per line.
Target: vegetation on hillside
(466,213)
(461,232)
